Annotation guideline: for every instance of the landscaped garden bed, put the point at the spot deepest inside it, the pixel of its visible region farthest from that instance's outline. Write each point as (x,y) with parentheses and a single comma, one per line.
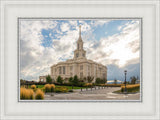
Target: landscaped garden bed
(133,88)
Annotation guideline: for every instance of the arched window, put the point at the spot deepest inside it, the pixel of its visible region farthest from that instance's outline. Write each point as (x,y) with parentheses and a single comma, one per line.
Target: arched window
(77,55)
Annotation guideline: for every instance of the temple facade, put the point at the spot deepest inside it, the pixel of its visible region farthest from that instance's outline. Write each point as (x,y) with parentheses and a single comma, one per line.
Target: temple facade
(79,65)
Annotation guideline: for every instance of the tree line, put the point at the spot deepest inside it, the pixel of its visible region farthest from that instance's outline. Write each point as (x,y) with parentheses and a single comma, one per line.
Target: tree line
(75,80)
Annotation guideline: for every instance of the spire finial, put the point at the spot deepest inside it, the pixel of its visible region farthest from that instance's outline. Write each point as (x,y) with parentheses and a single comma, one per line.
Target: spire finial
(80,31)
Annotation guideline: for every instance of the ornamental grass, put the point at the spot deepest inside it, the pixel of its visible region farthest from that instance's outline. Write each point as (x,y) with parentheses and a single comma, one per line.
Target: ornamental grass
(113,85)
(130,88)
(61,89)
(102,84)
(52,87)
(33,86)
(26,94)
(47,88)
(88,84)
(39,94)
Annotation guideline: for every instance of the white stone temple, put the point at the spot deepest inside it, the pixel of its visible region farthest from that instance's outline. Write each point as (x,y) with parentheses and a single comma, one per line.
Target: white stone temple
(79,65)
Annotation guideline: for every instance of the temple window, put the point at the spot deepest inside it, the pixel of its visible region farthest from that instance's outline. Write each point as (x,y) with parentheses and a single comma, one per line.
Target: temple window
(81,75)
(77,55)
(70,74)
(63,69)
(59,70)
(71,68)
(81,67)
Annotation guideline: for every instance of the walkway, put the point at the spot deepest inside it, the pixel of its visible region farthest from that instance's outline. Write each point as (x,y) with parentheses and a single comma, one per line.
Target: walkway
(94,94)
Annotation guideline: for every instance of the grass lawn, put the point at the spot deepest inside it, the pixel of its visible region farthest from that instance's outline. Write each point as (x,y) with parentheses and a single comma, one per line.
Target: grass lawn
(39,86)
(134,91)
(69,87)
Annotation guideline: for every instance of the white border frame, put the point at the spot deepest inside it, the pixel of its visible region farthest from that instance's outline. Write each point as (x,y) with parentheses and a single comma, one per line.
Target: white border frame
(156,115)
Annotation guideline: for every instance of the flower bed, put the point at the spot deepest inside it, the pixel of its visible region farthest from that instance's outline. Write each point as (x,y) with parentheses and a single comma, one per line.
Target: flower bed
(88,85)
(61,89)
(130,88)
(113,85)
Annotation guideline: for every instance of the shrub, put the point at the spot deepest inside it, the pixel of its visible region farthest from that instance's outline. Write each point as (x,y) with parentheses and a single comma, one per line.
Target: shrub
(47,88)
(112,85)
(33,86)
(90,79)
(130,88)
(31,93)
(102,84)
(81,84)
(88,84)
(43,89)
(52,87)
(39,94)
(61,89)
(60,80)
(100,81)
(26,93)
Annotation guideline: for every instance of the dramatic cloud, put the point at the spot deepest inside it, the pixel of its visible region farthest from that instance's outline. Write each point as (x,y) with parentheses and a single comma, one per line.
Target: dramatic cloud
(46,42)
(119,48)
(65,27)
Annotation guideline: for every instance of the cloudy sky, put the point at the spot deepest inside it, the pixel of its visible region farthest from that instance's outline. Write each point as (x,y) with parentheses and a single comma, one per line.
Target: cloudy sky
(114,43)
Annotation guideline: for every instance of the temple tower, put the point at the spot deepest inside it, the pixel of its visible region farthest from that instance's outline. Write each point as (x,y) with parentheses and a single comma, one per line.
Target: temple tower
(79,52)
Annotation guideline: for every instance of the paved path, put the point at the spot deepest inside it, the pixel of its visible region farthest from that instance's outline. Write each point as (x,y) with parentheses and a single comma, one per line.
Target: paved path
(94,94)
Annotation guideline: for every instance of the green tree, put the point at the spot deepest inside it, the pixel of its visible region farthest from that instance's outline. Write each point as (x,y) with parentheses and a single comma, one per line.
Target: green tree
(90,79)
(115,81)
(98,81)
(101,81)
(60,80)
(22,81)
(133,80)
(71,80)
(75,80)
(104,81)
(85,79)
(48,79)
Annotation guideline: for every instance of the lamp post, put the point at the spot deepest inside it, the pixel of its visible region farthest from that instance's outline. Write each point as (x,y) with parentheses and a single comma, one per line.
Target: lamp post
(125,72)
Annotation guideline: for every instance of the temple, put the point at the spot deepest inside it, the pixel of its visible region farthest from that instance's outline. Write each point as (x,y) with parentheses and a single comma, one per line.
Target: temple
(79,65)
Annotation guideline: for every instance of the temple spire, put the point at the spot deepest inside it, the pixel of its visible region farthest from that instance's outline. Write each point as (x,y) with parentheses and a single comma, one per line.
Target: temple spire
(79,52)
(80,39)
(80,31)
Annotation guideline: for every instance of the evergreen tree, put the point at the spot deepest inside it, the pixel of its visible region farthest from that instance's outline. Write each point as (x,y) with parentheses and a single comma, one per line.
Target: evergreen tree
(115,81)
(133,80)
(71,80)
(60,80)
(75,80)
(49,79)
